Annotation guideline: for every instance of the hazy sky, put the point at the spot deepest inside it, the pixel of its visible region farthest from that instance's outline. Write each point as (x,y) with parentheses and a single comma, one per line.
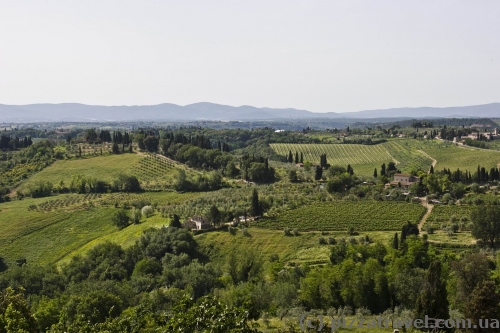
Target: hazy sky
(315,55)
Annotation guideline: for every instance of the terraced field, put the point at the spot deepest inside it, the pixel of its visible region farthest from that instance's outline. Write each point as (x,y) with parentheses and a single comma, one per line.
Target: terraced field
(341,215)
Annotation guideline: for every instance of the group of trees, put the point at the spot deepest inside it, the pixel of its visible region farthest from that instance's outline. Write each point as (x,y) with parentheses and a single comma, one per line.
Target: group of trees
(209,182)
(14,142)
(83,184)
(257,169)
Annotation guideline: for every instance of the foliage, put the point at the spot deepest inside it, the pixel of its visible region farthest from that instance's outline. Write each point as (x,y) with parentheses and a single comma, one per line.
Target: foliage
(486,225)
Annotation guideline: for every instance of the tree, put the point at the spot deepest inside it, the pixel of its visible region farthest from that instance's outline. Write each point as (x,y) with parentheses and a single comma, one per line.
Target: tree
(395,241)
(483,304)
(255,205)
(176,222)
(318,173)
(486,224)
(15,315)
(292,176)
(382,170)
(147,211)
(231,170)
(151,143)
(433,301)
(214,215)
(121,219)
(409,229)
(210,315)
(90,135)
(375,173)
(431,170)
(468,273)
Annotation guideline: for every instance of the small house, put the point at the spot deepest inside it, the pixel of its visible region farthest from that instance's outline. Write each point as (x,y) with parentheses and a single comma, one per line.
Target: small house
(198,223)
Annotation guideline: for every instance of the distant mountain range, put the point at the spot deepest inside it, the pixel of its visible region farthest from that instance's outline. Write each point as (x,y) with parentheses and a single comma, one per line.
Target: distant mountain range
(209,111)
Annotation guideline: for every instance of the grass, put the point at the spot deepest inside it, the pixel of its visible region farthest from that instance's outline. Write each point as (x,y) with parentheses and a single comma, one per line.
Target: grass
(341,215)
(300,249)
(52,236)
(452,157)
(100,167)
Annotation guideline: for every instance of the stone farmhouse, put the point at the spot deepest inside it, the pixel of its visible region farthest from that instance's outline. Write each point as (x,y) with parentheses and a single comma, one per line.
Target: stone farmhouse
(198,223)
(406,180)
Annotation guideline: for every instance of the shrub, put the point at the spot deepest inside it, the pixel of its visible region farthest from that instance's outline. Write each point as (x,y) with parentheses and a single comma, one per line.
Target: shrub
(136,216)
(295,232)
(147,211)
(331,241)
(321,240)
(245,232)
(287,232)
(121,219)
(274,257)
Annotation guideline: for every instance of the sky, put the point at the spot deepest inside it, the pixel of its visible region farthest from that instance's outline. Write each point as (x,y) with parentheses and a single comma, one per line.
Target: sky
(319,56)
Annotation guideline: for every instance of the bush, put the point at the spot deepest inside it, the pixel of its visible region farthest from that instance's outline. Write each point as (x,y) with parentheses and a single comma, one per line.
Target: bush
(147,211)
(121,219)
(136,216)
(321,241)
(287,232)
(295,232)
(331,241)
(274,257)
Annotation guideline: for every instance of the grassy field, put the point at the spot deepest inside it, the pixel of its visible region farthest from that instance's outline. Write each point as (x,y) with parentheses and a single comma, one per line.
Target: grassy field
(101,167)
(466,158)
(341,215)
(51,234)
(408,154)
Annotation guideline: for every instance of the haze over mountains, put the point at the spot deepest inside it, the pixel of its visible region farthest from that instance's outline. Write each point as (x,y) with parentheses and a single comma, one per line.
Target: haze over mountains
(210,111)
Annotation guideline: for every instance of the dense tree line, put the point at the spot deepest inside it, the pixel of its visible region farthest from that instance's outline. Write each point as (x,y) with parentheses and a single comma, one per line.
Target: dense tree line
(14,142)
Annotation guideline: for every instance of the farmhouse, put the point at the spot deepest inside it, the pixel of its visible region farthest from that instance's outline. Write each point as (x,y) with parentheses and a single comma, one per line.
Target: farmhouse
(406,180)
(198,223)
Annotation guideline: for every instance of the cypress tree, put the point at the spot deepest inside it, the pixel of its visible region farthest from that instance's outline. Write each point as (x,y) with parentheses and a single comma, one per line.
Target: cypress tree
(382,170)
(296,157)
(433,299)
(319,173)
(301,158)
(431,170)
(375,173)
(255,203)
(395,241)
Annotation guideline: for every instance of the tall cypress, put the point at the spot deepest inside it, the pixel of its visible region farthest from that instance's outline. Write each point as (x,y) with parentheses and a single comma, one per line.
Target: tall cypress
(395,241)
(255,203)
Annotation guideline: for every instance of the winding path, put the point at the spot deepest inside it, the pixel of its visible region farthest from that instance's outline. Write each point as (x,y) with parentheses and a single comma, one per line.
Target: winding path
(426,215)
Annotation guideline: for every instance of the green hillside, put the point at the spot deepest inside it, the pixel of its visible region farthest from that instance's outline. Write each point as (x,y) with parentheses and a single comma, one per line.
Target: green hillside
(101,167)
(362,158)
(47,230)
(409,155)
